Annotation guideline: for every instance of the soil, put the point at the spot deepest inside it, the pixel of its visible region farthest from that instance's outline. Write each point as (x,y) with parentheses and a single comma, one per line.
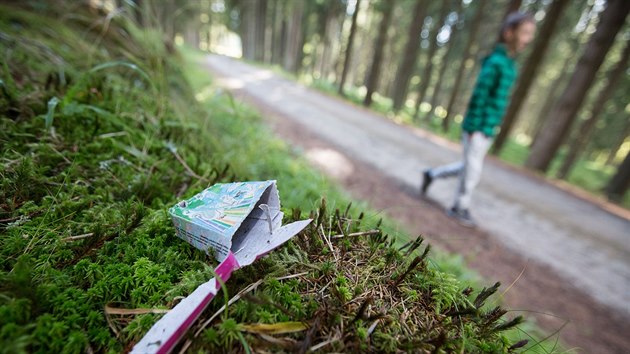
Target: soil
(532,288)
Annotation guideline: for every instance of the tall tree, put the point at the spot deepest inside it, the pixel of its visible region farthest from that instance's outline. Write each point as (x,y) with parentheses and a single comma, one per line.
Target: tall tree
(586,128)
(454,32)
(295,40)
(474,28)
(564,112)
(617,143)
(620,182)
(371,83)
(260,28)
(428,68)
(278,33)
(349,47)
(561,80)
(247,27)
(529,71)
(410,56)
(330,19)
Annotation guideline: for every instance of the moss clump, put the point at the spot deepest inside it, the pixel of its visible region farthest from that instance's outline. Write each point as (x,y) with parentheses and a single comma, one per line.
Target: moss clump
(364,295)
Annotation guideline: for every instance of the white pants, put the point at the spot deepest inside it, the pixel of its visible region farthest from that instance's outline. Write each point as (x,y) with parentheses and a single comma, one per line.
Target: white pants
(475,147)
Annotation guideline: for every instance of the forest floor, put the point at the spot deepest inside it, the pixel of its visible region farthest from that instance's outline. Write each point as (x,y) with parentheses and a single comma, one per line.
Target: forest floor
(565,254)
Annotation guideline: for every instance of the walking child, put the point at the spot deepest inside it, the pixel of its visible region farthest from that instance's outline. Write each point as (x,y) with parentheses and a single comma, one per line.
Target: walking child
(485,113)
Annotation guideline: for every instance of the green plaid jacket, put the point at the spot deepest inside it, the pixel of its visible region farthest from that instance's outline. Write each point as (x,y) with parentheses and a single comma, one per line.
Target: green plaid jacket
(490,96)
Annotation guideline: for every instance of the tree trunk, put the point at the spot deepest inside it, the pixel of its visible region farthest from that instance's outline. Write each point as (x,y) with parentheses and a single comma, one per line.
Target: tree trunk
(260,28)
(620,182)
(248,31)
(348,56)
(561,80)
(474,28)
(528,74)
(278,25)
(371,83)
(410,57)
(282,46)
(617,144)
(294,37)
(552,96)
(443,64)
(428,68)
(332,27)
(304,33)
(585,130)
(564,112)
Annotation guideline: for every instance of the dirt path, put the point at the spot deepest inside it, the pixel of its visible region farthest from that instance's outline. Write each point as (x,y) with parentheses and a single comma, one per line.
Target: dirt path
(574,255)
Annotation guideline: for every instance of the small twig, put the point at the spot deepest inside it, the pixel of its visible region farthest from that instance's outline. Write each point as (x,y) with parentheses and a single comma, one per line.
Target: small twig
(78,237)
(232,300)
(112,325)
(330,246)
(364,233)
(292,276)
(323,344)
(60,154)
(182,190)
(309,335)
(373,326)
(185,165)
(235,298)
(515,281)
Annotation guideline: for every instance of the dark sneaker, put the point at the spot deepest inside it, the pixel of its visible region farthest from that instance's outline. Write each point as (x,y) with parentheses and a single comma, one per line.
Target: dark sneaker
(426,182)
(462,216)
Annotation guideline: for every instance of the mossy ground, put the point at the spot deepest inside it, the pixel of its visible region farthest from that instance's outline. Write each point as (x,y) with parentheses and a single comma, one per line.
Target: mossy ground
(100,133)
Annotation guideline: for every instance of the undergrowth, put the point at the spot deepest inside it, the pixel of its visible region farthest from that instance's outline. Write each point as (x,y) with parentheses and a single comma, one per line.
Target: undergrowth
(100,133)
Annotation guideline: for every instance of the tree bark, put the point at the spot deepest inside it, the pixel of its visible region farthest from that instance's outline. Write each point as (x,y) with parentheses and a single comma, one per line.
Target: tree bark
(348,56)
(617,144)
(561,80)
(428,68)
(371,82)
(278,27)
(474,28)
(410,57)
(586,128)
(528,74)
(443,63)
(294,38)
(564,112)
(259,30)
(248,30)
(620,182)
(332,27)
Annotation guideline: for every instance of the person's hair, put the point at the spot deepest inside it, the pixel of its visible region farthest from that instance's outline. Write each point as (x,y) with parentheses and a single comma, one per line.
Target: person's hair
(513,21)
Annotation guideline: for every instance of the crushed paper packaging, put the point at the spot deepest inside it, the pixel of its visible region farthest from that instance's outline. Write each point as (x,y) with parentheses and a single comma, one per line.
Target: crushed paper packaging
(237,223)
(212,219)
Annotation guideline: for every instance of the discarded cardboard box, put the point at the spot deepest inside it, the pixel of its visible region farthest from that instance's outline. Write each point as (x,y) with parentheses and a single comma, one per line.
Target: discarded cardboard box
(219,218)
